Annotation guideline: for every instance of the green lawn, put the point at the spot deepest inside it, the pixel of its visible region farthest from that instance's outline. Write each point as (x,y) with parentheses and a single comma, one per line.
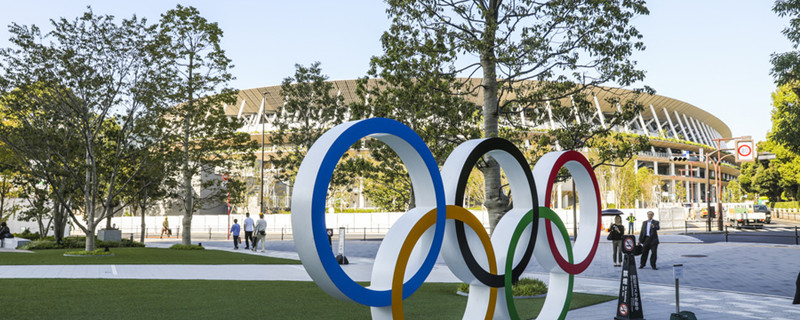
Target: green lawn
(140,256)
(206,299)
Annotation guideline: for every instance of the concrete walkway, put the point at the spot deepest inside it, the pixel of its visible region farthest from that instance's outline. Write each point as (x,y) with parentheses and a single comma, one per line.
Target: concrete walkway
(759,278)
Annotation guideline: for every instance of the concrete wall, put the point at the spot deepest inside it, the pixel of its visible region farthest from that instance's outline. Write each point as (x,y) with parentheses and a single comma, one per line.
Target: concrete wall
(377,222)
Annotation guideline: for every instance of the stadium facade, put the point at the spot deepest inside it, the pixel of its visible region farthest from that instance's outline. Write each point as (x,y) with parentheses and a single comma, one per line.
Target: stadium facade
(672,126)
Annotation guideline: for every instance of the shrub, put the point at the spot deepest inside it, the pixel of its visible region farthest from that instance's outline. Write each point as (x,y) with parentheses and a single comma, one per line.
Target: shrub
(525,287)
(96,252)
(41,244)
(786,205)
(78,242)
(189,247)
(529,287)
(27,234)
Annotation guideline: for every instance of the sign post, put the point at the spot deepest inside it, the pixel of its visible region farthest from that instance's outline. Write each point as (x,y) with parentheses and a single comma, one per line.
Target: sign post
(677,272)
(341,258)
(629,306)
(745,151)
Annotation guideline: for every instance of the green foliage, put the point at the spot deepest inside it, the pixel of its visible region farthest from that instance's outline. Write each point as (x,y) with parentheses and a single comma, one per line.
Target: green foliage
(27,234)
(786,66)
(787,205)
(76,243)
(785,116)
(186,247)
(84,103)
(568,48)
(525,287)
(628,184)
(96,252)
(311,108)
(203,136)
(774,178)
(529,287)
(41,244)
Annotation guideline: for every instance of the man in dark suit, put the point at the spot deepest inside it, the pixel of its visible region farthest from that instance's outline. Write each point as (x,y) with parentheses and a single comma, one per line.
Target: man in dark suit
(648,238)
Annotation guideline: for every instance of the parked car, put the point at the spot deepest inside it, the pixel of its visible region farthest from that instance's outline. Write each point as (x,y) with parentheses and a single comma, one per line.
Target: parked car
(765,210)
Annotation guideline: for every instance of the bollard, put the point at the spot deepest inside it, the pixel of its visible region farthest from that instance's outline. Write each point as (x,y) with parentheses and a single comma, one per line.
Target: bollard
(282,230)
(685,227)
(796,238)
(209,233)
(365,234)
(726,233)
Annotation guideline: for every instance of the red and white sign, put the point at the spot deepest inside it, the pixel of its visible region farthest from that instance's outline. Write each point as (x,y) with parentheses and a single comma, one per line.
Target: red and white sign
(623,309)
(628,244)
(745,151)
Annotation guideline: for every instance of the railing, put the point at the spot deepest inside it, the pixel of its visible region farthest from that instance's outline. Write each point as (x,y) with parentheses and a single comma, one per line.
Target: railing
(761,234)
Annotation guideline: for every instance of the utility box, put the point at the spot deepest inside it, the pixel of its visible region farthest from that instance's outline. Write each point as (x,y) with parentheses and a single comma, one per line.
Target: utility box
(109,235)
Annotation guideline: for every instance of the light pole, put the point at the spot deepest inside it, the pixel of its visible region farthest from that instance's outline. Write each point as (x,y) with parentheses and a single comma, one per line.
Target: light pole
(717,172)
(261,119)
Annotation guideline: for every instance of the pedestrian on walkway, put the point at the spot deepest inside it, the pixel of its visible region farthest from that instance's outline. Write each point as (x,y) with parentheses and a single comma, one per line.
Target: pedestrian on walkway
(165,228)
(261,233)
(615,233)
(631,219)
(235,231)
(648,238)
(248,230)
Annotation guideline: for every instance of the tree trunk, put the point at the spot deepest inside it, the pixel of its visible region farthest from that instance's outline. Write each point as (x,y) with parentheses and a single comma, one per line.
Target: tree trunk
(60,218)
(89,201)
(2,197)
(495,204)
(141,211)
(188,201)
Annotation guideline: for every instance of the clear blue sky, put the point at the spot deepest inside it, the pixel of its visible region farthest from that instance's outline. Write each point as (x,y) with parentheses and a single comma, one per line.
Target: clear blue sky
(713,54)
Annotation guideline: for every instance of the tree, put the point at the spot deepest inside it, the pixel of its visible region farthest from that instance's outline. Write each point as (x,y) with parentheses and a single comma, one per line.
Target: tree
(8,180)
(734,191)
(786,66)
(70,87)
(785,115)
(567,47)
(37,209)
(205,139)
(310,109)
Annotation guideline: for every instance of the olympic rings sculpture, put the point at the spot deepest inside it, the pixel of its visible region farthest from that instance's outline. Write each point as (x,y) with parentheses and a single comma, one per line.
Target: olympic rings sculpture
(439,224)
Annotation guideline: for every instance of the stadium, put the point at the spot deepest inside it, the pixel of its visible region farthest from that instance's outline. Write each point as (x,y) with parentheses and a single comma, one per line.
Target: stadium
(673,127)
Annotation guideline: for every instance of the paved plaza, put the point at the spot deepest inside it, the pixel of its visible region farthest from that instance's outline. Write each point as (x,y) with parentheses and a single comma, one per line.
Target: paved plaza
(721,280)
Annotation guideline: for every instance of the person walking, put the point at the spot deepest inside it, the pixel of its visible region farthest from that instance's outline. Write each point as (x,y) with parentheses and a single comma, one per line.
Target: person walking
(261,233)
(631,219)
(615,233)
(248,230)
(648,238)
(235,228)
(165,228)
(5,233)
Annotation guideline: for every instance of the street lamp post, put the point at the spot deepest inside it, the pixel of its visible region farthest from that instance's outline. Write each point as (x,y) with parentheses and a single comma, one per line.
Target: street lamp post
(261,119)
(718,171)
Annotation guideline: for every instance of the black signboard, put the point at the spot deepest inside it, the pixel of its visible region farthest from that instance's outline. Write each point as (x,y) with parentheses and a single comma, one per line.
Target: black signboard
(629,306)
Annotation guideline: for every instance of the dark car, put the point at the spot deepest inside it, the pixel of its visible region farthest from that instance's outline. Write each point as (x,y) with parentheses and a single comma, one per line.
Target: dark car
(765,209)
